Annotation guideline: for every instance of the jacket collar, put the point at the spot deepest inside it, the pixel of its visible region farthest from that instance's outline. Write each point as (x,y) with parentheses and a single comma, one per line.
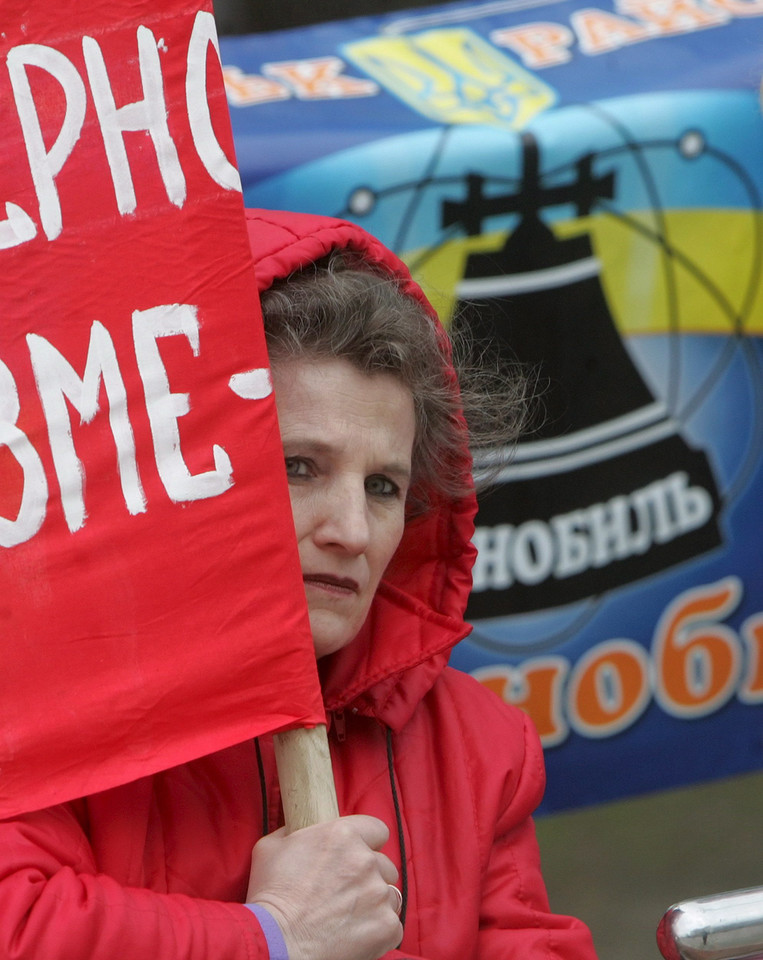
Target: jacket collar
(393,662)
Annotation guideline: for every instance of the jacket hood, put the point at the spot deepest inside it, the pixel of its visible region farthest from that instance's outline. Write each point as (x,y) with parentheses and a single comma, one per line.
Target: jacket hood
(417,614)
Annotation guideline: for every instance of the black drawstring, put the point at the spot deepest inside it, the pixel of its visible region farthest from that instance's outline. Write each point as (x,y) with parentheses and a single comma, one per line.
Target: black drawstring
(400,834)
(263,788)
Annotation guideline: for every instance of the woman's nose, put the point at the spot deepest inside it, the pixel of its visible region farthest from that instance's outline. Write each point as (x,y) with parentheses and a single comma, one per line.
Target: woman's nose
(344,519)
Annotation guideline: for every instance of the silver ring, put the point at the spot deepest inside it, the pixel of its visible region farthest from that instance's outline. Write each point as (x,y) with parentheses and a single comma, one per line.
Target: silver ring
(399,904)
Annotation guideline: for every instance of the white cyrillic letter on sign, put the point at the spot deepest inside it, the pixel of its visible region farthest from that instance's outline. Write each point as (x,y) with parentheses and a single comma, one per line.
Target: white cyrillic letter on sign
(57,380)
(45,164)
(34,498)
(164,407)
(209,150)
(149,114)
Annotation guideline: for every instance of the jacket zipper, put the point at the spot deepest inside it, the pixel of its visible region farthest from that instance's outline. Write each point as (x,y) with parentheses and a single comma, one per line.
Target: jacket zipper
(340,729)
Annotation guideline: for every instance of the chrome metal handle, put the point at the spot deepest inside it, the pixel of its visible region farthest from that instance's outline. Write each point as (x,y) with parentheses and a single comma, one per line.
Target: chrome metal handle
(725,926)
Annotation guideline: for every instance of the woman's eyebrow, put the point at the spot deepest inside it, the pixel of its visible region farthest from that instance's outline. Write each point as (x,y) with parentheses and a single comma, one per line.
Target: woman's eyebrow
(307,444)
(401,471)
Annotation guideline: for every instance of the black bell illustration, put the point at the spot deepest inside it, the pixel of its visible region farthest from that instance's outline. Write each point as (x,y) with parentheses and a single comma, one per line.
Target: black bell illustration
(606,491)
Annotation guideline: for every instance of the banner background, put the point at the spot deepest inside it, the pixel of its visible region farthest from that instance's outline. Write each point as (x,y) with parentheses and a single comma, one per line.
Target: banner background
(643,671)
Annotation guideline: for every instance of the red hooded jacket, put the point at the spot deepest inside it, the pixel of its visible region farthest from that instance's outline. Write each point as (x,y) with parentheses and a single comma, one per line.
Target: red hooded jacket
(158,869)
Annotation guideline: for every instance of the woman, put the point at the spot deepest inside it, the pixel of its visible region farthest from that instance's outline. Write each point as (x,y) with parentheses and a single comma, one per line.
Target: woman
(436,777)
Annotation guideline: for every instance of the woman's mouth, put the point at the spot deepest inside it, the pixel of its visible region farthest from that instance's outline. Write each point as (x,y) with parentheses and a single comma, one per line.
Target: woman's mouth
(340,586)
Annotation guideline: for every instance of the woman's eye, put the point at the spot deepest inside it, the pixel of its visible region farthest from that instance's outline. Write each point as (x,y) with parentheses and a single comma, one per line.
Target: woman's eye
(381,487)
(296,467)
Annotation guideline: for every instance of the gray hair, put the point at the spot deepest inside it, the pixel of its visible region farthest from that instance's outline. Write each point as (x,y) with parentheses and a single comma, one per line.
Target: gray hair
(343,307)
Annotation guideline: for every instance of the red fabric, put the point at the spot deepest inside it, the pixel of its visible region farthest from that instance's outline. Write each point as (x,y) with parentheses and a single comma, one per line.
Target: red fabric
(467,768)
(140,572)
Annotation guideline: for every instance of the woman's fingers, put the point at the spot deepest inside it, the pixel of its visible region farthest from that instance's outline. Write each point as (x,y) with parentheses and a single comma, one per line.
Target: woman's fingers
(387,869)
(329,885)
(397,898)
(373,831)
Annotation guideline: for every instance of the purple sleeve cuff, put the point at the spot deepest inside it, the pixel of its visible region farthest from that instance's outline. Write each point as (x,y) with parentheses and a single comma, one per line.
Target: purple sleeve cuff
(273,936)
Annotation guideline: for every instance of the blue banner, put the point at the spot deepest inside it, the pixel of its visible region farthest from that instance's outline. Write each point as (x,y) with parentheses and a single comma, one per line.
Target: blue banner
(581,184)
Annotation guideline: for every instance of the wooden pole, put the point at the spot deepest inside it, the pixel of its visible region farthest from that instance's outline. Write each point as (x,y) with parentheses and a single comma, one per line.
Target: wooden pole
(308,793)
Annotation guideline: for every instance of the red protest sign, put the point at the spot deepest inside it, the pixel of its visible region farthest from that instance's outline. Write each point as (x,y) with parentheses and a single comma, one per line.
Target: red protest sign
(150,595)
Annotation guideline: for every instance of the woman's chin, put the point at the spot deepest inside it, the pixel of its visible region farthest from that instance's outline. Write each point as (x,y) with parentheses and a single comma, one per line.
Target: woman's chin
(329,635)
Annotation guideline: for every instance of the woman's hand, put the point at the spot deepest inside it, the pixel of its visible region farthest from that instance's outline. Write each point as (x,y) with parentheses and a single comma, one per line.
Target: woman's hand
(327,886)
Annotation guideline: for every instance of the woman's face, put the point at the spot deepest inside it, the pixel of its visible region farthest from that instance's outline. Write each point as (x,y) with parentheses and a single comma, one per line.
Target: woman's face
(348,441)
